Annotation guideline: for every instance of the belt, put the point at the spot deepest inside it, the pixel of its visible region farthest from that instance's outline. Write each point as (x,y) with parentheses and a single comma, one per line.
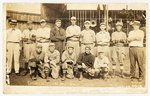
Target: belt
(87,43)
(29,43)
(136,47)
(73,40)
(12,42)
(43,42)
(102,45)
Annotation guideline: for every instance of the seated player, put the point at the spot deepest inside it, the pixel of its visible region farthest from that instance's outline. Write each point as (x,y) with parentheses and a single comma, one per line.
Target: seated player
(85,62)
(36,63)
(52,59)
(68,60)
(101,65)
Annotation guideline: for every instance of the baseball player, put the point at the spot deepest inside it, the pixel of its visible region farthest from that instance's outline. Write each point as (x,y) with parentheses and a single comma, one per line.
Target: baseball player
(73,35)
(136,50)
(101,65)
(13,38)
(58,36)
(119,38)
(36,63)
(52,60)
(103,40)
(68,60)
(43,35)
(85,63)
(87,37)
(29,43)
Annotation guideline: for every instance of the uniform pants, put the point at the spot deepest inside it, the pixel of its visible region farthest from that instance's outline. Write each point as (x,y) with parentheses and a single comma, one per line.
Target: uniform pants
(13,51)
(45,46)
(69,69)
(92,48)
(28,50)
(118,56)
(136,54)
(76,46)
(53,68)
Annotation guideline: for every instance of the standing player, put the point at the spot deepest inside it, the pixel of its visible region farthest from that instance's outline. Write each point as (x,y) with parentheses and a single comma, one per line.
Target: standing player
(73,35)
(118,55)
(136,50)
(43,35)
(87,37)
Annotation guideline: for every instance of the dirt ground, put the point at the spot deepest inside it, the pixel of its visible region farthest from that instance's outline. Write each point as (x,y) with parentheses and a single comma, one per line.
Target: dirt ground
(95,82)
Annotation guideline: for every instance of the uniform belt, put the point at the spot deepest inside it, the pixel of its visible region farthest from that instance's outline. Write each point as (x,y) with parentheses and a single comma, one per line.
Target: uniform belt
(12,42)
(43,42)
(136,47)
(102,44)
(73,40)
(87,43)
(29,43)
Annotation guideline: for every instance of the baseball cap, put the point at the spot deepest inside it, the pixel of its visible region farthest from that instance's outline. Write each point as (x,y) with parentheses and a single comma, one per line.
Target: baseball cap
(88,47)
(73,18)
(103,24)
(87,22)
(42,20)
(13,22)
(119,24)
(51,44)
(136,23)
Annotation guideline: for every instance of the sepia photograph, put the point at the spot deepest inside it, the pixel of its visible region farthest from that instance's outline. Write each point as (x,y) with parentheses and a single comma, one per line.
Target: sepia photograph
(92,45)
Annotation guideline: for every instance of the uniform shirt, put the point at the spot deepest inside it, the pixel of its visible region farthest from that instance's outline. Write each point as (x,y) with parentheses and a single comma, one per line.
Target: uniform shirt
(52,57)
(87,59)
(103,37)
(28,33)
(13,35)
(88,36)
(118,36)
(43,32)
(103,62)
(73,30)
(38,56)
(136,34)
(57,34)
(67,56)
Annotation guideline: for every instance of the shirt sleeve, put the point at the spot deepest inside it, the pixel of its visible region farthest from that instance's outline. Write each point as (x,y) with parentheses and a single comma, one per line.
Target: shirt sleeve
(57,59)
(96,63)
(113,36)
(68,33)
(93,36)
(108,37)
(63,56)
(46,60)
(79,60)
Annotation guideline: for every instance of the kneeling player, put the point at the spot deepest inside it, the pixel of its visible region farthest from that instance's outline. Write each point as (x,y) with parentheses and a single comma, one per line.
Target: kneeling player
(68,60)
(101,65)
(52,59)
(36,63)
(85,62)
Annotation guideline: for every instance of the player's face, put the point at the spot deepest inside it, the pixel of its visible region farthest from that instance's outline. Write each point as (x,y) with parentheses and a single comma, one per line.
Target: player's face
(102,27)
(13,26)
(58,24)
(70,50)
(73,21)
(87,50)
(87,26)
(30,26)
(100,55)
(52,48)
(43,24)
(39,50)
(118,28)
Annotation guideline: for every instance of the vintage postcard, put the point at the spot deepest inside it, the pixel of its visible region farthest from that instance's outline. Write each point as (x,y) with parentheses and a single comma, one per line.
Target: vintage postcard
(75,48)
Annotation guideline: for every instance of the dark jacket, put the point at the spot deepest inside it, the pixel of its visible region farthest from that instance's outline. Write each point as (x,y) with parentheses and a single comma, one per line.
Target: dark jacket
(87,59)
